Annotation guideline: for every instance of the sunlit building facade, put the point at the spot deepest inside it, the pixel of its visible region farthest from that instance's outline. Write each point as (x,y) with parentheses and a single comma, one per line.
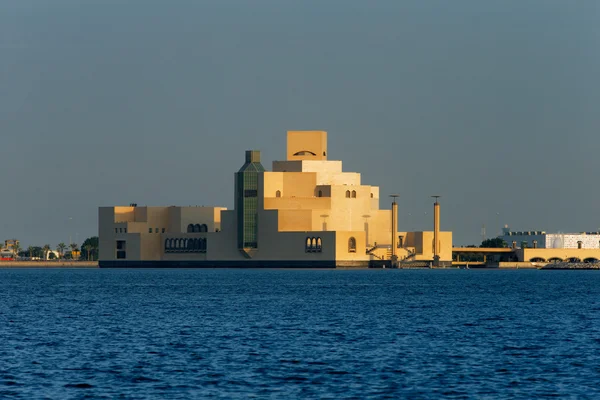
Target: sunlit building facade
(305,212)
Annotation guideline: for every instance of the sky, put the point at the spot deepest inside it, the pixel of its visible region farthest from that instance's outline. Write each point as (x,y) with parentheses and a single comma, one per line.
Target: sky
(494,105)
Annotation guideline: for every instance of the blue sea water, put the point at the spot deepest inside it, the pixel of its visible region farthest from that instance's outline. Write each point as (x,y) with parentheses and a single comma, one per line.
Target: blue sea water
(282,334)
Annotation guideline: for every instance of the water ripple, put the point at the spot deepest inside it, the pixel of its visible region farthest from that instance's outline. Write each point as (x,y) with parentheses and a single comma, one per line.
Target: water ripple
(299,334)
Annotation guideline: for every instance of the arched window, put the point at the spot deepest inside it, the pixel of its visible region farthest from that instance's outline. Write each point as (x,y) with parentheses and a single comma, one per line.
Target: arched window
(313,244)
(167,247)
(354,194)
(319,244)
(320,193)
(307,245)
(197,228)
(190,246)
(190,228)
(371,195)
(203,228)
(203,245)
(278,193)
(352,245)
(347,193)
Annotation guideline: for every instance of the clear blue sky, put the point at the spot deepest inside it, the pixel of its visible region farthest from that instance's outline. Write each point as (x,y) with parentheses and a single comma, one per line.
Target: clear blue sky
(495,105)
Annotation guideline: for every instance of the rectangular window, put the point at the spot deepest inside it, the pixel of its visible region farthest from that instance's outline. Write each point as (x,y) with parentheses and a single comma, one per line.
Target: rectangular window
(121,254)
(116,230)
(149,230)
(156,231)
(250,193)
(121,245)
(125,230)
(163,230)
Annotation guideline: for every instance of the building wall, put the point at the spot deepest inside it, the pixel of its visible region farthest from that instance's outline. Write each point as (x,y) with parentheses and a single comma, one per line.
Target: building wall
(560,254)
(422,242)
(302,141)
(296,220)
(142,228)
(569,241)
(342,246)
(554,240)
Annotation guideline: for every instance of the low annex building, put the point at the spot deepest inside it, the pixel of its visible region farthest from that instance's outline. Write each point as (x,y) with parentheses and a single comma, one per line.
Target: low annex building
(539,246)
(306,212)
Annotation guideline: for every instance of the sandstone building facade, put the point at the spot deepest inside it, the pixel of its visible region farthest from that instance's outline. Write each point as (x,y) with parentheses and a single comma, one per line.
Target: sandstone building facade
(305,212)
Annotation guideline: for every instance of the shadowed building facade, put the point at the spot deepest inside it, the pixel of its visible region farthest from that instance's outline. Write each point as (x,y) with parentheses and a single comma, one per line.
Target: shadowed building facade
(305,212)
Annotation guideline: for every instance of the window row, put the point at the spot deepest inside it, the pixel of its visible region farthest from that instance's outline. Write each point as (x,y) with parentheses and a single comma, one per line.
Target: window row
(350,194)
(156,230)
(191,228)
(313,245)
(120,230)
(185,245)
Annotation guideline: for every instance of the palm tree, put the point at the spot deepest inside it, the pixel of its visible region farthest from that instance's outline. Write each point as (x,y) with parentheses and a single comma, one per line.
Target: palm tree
(46,250)
(88,250)
(30,249)
(16,249)
(61,249)
(73,250)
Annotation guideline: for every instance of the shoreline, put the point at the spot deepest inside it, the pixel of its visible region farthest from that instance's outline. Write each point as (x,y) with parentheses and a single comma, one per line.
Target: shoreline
(48,264)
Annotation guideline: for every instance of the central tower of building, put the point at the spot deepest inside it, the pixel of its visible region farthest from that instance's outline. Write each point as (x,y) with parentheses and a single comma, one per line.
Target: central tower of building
(246,203)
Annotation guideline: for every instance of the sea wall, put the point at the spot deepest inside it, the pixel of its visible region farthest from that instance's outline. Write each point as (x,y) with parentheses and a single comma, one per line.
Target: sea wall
(48,264)
(517,265)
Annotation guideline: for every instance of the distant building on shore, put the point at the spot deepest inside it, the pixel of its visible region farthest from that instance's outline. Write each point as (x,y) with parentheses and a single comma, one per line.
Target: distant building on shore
(7,252)
(543,240)
(306,212)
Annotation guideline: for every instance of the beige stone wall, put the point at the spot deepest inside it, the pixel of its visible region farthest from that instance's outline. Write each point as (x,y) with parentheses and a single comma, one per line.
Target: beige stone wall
(287,166)
(222,245)
(297,203)
(151,246)
(562,254)
(134,246)
(124,214)
(133,224)
(295,220)
(342,249)
(274,245)
(422,242)
(323,167)
(271,183)
(211,216)
(299,184)
(307,141)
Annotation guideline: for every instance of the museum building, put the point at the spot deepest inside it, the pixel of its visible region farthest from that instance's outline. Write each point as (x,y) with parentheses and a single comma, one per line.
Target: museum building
(307,212)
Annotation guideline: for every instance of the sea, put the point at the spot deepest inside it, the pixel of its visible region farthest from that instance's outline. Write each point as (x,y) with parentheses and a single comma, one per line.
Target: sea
(309,334)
